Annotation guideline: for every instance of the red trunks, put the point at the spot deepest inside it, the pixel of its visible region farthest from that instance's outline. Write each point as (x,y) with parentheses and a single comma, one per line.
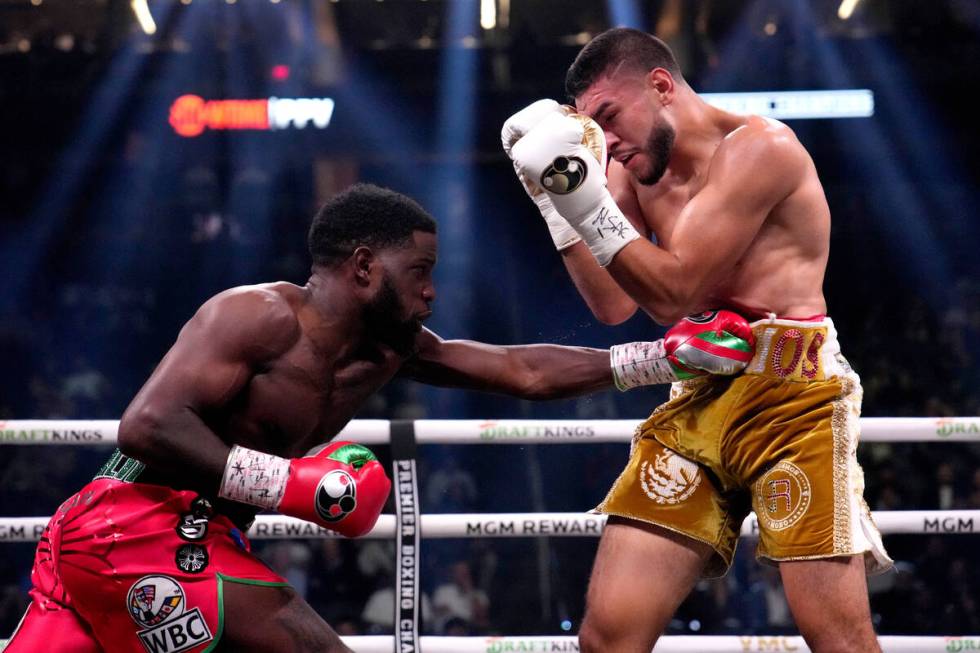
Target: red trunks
(128,566)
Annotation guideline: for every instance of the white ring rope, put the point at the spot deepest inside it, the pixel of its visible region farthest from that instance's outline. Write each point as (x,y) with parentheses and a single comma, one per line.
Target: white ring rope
(529,524)
(503,431)
(668,644)
(881,429)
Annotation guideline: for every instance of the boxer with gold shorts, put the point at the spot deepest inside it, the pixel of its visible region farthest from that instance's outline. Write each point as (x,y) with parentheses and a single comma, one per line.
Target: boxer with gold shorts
(779,439)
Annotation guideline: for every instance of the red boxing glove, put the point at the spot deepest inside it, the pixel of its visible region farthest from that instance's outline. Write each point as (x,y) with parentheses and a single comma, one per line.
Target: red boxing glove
(712,342)
(342,487)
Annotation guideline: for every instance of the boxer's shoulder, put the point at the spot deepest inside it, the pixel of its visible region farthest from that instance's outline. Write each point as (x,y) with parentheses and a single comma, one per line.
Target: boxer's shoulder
(263,313)
(769,139)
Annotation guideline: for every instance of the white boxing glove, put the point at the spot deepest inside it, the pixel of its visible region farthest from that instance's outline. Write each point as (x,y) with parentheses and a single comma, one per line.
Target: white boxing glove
(565,156)
(514,129)
(519,124)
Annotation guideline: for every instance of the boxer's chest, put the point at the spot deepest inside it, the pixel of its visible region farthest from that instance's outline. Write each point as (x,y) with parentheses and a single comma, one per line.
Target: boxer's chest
(663,203)
(305,400)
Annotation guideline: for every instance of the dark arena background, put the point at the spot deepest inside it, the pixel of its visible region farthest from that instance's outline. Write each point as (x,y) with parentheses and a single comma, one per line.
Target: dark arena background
(156,152)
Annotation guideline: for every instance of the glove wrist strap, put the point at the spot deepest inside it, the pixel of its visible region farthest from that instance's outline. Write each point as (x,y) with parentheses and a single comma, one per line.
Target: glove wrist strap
(562,233)
(255,478)
(641,363)
(605,230)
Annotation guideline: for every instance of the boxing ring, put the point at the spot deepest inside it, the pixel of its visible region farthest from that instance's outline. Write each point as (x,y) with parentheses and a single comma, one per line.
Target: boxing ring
(408,526)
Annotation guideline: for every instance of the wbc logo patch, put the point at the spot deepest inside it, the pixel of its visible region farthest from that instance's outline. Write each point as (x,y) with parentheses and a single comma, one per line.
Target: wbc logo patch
(153,599)
(158,603)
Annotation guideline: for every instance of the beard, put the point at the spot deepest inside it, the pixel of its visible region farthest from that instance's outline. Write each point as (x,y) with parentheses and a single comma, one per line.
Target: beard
(658,147)
(384,324)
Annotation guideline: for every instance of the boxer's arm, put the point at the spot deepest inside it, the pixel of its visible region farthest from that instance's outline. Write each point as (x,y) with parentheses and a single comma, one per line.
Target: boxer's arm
(526,371)
(753,170)
(609,303)
(215,355)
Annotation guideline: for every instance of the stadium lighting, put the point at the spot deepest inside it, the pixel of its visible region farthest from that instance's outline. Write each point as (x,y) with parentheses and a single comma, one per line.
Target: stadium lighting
(846,8)
(787,105)
(143,16)
(488,14)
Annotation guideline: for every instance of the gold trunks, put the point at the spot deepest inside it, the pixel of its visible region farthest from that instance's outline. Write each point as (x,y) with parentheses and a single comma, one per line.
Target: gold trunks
(779,439)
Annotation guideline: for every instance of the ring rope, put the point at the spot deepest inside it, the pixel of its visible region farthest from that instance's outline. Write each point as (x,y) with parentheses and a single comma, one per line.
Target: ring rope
(503,431)
(882,429)
(527,524)
(667,644)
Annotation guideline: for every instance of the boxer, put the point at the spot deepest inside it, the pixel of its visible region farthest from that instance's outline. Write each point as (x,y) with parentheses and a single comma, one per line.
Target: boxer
(151,555)
(740,221)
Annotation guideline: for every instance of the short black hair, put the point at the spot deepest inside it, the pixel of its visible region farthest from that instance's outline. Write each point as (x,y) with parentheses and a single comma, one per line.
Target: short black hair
(624,47)
(364,214)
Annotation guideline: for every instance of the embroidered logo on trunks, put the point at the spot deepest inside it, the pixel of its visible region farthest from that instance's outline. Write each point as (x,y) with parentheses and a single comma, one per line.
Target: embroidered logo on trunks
(193,525)
(670,478)
(192,558)
(336,496)
(790,353)
(158,602)
(782,496)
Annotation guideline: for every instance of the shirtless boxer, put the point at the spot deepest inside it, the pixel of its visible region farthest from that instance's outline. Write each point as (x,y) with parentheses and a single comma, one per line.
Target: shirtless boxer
(151,556)
(739,220)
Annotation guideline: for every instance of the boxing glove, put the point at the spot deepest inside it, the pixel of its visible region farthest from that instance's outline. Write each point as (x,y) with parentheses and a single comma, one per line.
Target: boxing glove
(565,155)
(712,342)
(513,130)
(342,487)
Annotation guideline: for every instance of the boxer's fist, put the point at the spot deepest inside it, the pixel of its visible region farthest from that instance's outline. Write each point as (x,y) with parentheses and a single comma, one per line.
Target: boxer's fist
(519,124)
(342,487)
(515,129)
(565,156)
(552,156)
(712,342)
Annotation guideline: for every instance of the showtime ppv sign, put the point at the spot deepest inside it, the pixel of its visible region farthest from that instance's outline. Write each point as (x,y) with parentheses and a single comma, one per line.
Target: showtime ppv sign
(190,115)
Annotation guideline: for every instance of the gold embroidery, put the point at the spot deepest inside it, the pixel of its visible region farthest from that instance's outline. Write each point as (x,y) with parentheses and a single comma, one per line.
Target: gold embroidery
(842,486)
(782,496)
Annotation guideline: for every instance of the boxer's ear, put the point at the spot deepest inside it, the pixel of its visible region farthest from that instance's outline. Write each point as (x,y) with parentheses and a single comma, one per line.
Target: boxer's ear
(363,261)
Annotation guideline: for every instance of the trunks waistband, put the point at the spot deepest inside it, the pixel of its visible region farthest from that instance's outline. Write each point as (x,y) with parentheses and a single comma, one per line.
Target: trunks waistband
(796,350)
(121,468)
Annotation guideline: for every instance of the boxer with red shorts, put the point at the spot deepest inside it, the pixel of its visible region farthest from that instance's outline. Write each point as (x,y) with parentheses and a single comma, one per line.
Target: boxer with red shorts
(139,567)
(151,556)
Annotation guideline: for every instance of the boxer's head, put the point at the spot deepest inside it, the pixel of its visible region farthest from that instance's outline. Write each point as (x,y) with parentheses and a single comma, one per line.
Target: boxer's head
(385,243)
(625,80)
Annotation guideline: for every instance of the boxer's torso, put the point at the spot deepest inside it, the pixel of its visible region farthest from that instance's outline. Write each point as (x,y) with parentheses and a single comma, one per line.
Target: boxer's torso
(304,396)
(783,268)
(300,398)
